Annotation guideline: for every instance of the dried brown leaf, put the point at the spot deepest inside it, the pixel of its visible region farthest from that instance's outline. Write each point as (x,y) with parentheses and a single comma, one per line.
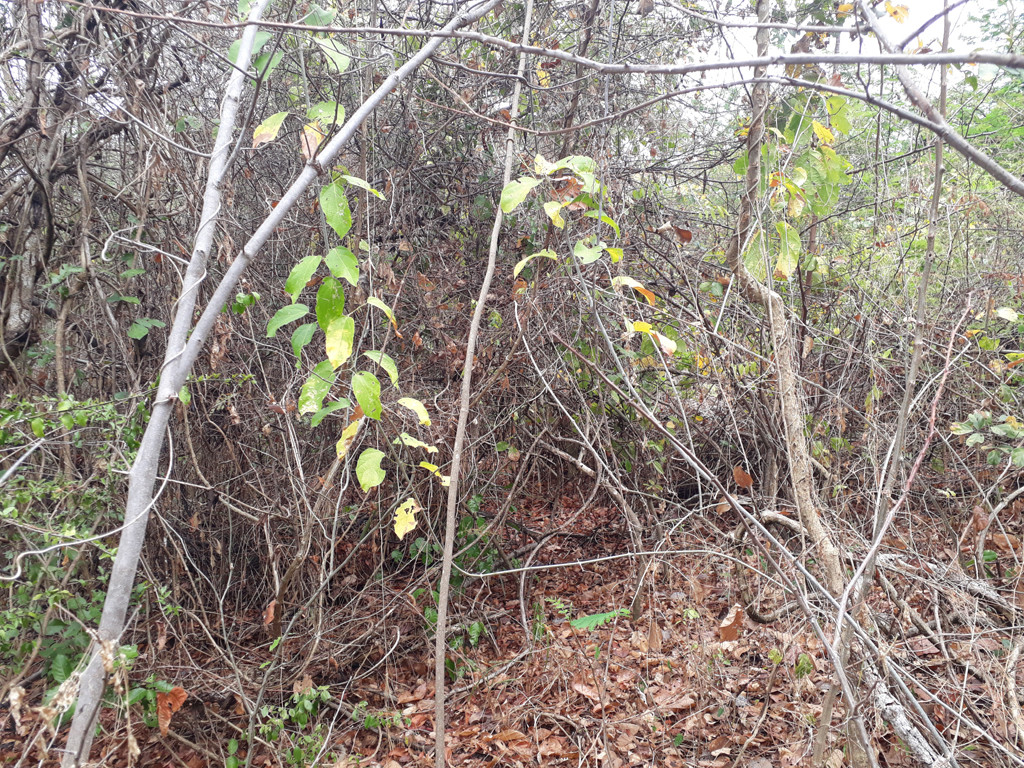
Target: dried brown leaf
(729,629)
(167,704)
(742,478)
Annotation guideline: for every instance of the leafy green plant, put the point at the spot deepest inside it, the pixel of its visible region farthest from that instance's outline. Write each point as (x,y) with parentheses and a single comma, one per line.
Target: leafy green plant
(598,620)
(232,761)
(987,556)
(293,723)
(378,719)
(999,436)
(804,665)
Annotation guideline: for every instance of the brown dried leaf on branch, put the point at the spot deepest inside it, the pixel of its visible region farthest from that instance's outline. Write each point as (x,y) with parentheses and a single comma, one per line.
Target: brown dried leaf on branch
(167,704)
(742,478)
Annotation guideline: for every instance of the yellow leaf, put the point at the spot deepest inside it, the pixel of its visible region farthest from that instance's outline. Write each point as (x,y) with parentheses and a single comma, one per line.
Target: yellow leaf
(844,9)
(309,139)
(432,469)
(667,345)
(339,338)
(347,437)
(824,134)
(898,12)
(405,517)
(553,209)
(373,301)
(543,78)
(636,286)
(416,407)
(268,129)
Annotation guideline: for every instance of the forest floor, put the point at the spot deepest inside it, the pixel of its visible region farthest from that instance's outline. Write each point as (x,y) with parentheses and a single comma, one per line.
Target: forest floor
(692,682)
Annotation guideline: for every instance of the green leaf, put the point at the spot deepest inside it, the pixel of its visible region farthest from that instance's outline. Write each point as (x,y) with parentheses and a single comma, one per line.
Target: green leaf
(328,409)
(335,207)
(475,632)
(301,336)
(258,42)
(592,622)
(605,219)
(337,55)
(755,258)
(330,302)
(343,264)
(516,191)
(616,254)
(138,330)
(267,130)
(373,301)
(960,428)
(301,274)
(243,301)
(61,668)
(416,407)
(587,254)
(267,63)
(116,297)
(547,253)
(366,388)
(789,249)
(385,362)
(838,114)
(38,428)
(581,164)
(130,273)
(318,17)
(988,343)
(1017,457)
(327,112)
(355,181)
(804,665)
(135,695)
(317,386)
(589,182)
(287,314)
(368,470)
(341,334)
(185,396)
